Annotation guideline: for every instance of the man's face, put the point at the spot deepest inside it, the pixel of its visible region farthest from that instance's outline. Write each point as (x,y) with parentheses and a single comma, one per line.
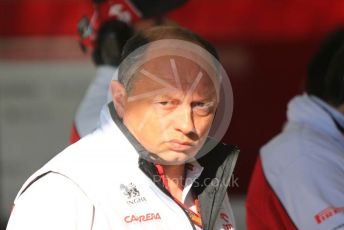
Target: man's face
(170,108)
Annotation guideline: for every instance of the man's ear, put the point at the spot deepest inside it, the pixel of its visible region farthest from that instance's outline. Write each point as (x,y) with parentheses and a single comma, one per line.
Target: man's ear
(119,96)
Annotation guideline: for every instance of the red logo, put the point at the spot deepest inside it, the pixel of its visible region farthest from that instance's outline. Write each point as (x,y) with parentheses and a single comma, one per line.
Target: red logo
(227,224)
(224,217)
(327,213)
(142,218)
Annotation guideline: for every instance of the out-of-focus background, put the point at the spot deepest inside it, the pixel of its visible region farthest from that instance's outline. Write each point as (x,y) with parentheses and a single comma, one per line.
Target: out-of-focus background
(265,46)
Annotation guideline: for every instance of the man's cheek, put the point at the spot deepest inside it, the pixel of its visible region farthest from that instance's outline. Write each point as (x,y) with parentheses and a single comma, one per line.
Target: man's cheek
(203,126)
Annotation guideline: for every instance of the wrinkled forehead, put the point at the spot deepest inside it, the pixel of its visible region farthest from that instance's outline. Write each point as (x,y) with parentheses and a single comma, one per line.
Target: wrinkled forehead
(170,64)
(175,72)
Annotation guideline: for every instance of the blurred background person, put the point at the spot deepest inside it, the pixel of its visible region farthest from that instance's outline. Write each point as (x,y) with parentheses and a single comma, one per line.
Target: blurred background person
(297,182)
(110,26)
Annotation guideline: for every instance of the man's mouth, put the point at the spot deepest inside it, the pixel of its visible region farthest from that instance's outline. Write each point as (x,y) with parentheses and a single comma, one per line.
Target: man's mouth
(178,145)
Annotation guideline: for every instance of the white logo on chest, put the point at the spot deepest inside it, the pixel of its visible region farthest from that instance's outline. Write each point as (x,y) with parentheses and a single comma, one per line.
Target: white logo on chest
(132,194)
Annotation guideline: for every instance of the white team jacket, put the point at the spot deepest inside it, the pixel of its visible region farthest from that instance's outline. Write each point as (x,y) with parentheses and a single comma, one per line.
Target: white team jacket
(305,165)
(97,184)
(96,96)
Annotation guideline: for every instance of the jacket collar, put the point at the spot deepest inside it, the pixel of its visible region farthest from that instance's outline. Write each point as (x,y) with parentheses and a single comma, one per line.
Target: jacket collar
(118,121)
(306,110)
(337,117)
(212,183)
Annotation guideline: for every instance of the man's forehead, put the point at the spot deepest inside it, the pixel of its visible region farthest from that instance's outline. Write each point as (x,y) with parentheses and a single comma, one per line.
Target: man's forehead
(176,72)
(172,67)
(147,88)
(173,64)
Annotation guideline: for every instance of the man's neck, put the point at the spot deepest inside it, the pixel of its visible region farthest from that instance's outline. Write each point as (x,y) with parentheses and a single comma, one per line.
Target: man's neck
(175,176)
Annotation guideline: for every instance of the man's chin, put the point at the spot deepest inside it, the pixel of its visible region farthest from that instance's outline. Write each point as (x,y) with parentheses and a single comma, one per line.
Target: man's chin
(173,158)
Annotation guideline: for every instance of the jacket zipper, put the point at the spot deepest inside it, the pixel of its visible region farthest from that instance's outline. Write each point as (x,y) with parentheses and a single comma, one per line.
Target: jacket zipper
(192,224)
(164,190)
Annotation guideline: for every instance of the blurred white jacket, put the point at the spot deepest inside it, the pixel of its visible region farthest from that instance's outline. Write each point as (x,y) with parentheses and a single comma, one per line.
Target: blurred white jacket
(304,164)
(97,95)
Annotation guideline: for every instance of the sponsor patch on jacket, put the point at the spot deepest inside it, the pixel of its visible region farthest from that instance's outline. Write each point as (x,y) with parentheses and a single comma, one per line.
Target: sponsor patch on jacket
(142,218)
(132,194)
(226,223)
(327,213)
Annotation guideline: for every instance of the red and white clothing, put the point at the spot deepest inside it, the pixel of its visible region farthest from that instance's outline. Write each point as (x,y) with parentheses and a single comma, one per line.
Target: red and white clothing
(97,95)
(298,179)
(101,182)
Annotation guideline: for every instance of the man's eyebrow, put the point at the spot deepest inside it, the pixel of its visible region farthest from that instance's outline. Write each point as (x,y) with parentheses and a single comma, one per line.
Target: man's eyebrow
(205,99)
(169,95)
(209,93)
(165,95)
(155,93)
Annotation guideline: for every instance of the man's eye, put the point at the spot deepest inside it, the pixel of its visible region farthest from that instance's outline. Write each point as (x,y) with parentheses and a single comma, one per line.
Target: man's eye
(169,104)
(199,104)
(202,108)
(164,102)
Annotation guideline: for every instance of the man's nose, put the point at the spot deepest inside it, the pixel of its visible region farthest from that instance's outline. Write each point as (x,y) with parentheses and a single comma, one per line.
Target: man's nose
(185,122)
